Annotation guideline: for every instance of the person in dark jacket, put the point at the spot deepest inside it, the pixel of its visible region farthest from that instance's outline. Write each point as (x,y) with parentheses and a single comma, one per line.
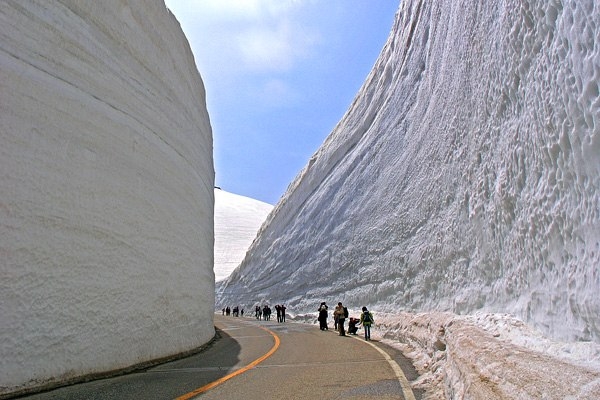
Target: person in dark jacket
(352,328)
(323,316)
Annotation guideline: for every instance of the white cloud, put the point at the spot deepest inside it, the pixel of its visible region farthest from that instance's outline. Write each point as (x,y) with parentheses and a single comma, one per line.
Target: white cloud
(268,48)
(257,36)
(221,9)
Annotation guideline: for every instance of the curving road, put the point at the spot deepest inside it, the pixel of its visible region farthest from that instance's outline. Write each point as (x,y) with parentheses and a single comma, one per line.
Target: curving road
(253,359)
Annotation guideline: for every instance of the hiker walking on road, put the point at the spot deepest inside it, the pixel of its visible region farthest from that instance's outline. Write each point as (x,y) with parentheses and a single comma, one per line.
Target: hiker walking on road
(283,308)
(323,316)
(366,319)
(341,312)
(257,312)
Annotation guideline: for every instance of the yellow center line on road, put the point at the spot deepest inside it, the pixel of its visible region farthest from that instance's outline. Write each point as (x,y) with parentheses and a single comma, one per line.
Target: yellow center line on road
(406,389)
(253,364)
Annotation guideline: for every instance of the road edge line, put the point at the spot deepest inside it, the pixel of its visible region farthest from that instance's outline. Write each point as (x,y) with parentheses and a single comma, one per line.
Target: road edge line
(406,389)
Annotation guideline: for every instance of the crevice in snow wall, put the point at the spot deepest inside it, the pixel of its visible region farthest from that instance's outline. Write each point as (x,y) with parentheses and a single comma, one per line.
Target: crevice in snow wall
(106,182)
(464,176)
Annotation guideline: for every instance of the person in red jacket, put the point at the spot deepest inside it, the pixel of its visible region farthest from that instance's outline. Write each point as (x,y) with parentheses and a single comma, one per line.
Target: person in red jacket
(352,325)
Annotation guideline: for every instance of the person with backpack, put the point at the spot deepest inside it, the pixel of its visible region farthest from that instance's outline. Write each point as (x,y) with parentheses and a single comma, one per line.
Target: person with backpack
(366,319)
(341,313)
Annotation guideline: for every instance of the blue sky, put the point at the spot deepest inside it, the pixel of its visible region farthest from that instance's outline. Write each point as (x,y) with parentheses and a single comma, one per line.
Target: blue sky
(279,75)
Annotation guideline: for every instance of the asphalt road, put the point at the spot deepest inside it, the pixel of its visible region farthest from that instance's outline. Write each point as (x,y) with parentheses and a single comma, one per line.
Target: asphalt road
(253,359)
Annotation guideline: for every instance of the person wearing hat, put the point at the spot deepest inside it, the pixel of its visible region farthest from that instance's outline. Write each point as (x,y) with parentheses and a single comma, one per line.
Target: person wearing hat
(366,319)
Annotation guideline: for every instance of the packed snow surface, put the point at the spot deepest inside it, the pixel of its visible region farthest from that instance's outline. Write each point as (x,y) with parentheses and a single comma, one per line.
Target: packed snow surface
(237,220)
(106,176)
(463,180)
(486,356)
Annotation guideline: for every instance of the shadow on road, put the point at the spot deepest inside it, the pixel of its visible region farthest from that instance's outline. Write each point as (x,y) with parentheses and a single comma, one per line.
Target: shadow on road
(220,354)
(164,381)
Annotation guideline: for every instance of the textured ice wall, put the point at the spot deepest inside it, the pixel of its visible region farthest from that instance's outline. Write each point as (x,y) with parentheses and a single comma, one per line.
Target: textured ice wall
(106,190)
(464,176)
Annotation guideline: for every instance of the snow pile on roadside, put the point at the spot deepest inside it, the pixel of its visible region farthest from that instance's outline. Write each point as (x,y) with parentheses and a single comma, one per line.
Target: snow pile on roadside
(486,356)
(490,356)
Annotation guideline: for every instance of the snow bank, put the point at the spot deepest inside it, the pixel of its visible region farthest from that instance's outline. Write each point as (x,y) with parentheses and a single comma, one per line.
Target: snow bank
(464,178)
(485,356)
(491,356)
(237,220)
(106,213)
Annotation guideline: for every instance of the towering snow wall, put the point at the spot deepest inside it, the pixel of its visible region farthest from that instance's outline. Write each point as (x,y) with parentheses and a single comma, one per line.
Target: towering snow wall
(237,219)
(106,190)
(465,175)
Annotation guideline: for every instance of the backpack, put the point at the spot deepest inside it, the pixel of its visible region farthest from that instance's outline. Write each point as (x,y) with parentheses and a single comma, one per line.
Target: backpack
(367,318)
(345,312)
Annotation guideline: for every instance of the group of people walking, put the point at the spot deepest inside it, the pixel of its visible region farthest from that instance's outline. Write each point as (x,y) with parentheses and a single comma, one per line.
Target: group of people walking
(261,313)
(235,311)
(340,314)
(264,313)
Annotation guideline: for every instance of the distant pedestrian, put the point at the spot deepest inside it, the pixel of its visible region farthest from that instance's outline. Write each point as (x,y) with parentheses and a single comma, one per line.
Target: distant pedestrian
(341,312)
(323,316)
(366,319)
(282,312)
(257,312)
(335,320)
